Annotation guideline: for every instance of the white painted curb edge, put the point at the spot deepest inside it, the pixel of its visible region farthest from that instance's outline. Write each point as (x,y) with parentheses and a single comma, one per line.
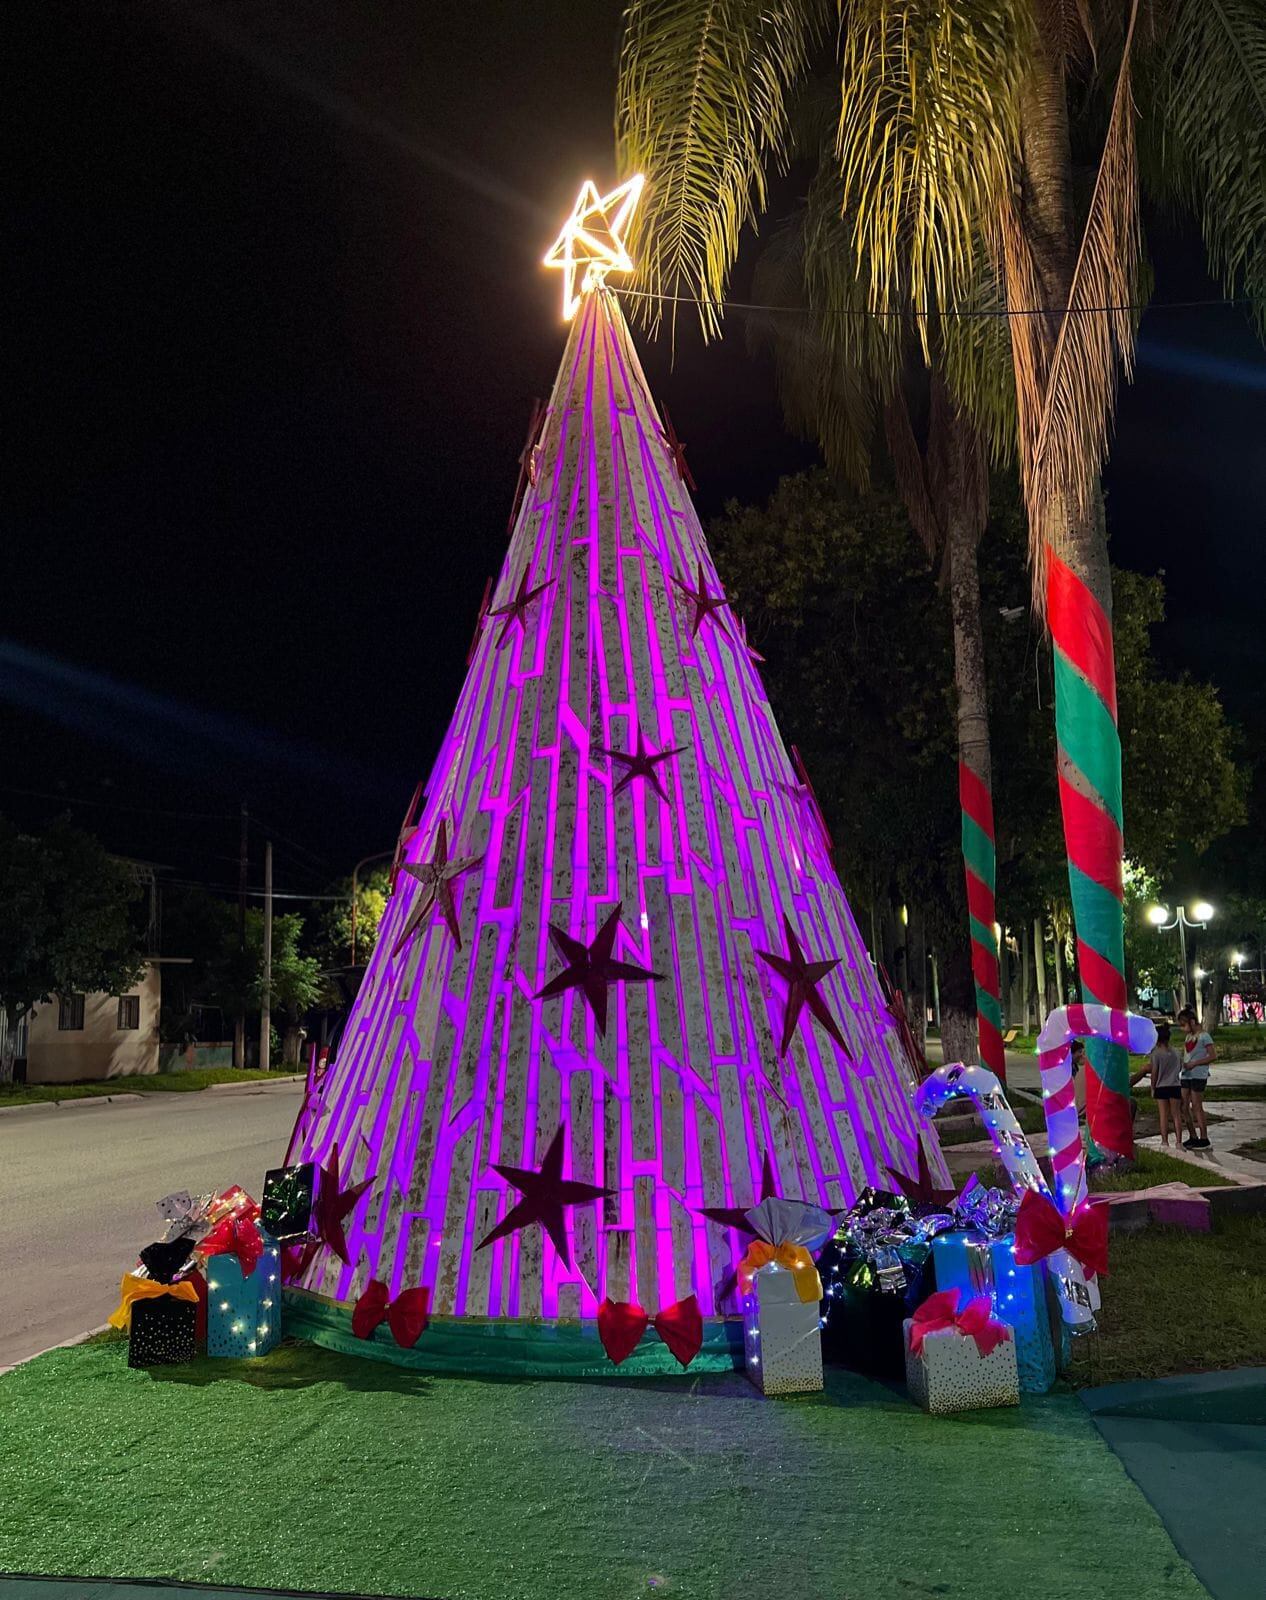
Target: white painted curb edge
(66,1344)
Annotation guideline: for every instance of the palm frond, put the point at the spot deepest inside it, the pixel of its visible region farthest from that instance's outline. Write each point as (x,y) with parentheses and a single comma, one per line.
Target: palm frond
(1066,386)
(974,356)
(813,322)
(702,109)
(927,140)
(1203,93)
(911,474)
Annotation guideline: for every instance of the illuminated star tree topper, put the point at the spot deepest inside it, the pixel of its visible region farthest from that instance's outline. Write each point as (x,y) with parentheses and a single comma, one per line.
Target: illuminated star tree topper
(591,243)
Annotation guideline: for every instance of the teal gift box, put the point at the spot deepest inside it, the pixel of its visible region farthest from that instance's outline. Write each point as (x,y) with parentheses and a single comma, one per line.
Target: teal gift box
(980,1265)
(244,1309)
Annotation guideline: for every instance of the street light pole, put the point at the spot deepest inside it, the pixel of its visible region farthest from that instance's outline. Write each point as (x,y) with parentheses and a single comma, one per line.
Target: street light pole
(1202,914)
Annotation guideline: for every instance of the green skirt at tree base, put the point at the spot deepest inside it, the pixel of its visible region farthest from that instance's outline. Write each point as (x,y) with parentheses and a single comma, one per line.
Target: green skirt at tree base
(504,1347)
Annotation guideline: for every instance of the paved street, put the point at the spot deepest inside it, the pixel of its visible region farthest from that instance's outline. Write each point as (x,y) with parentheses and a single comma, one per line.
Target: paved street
(78,1186)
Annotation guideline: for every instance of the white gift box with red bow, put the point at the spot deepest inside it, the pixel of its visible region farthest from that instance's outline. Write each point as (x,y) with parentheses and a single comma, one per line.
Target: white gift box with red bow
(950,1374)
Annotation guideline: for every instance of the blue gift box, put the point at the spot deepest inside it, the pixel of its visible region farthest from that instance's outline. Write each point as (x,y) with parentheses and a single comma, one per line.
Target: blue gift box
(244,1311)
(976,1265)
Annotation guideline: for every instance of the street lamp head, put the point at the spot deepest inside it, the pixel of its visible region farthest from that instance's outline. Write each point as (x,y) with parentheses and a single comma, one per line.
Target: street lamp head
(1197,972)
(1157,915)
(1238,959)
(1202,911)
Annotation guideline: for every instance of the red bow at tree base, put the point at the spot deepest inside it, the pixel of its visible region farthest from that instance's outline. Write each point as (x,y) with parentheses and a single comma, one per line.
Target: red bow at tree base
(1041,1229)
(621,1324)
(407,1315)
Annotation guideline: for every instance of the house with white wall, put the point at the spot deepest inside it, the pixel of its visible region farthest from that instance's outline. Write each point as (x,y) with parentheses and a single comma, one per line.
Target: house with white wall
(75,1037)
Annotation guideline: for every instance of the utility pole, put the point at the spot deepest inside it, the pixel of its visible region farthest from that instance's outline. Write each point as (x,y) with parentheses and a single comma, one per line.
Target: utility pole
(239,1023)
(265,1010)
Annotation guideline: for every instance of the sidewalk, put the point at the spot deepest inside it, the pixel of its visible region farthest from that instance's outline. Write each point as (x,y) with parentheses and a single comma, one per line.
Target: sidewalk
(1023,1073)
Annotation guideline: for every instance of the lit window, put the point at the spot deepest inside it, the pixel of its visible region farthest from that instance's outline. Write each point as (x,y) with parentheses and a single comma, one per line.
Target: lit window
(129,1011)
(70,1012)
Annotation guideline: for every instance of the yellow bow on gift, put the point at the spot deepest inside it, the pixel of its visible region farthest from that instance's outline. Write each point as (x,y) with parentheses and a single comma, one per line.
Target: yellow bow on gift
(134,1288)
(793,1257)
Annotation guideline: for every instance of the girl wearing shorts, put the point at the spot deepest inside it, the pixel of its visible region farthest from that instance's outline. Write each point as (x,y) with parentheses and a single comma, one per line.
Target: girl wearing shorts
(1165,1069)
(1199,1053)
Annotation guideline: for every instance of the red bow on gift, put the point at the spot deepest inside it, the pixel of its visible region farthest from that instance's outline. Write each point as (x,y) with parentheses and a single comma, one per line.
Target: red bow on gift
(976,1321)
(1041,1229)
(621,1324)
(234,1236)
(406,1315)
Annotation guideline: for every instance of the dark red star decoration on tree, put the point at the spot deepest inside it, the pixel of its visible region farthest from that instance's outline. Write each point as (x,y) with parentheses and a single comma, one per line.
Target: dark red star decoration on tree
(920,1189)
(736,1216)
(807,789)
(802,978)
(545,1193)
(515,610)
(528,462)
(437,877)
(479,621)
(590,968)
(705,602)
(641,762)
(677,451)
(333,1205)
(407,829)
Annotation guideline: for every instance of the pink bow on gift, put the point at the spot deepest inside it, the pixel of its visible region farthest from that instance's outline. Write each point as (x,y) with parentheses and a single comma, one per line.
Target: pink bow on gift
(976,1321)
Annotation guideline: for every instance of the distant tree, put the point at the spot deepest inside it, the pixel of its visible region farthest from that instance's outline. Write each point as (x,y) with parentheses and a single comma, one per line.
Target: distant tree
(69,924)
(334,945)
(840,597)
(224,977)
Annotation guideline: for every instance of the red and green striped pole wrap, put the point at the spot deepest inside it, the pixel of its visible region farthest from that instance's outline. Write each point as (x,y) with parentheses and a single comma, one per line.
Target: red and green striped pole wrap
(980,865)
(1089,761)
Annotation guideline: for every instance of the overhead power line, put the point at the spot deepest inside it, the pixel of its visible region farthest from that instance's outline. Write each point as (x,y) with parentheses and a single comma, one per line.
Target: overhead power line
(960,313)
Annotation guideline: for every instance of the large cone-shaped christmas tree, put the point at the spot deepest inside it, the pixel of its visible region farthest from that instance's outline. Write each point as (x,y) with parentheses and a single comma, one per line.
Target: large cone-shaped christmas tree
(618,954)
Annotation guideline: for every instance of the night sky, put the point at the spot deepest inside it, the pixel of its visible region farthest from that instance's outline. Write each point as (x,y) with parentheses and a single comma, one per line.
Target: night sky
(278,324)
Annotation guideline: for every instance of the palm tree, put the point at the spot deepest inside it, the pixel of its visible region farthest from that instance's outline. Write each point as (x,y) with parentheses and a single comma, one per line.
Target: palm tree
(954,149)
(839,372)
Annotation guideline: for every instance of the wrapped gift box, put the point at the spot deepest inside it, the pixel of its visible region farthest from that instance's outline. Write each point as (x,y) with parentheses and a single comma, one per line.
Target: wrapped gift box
(167,1258)
(782,1334)
(286,1210)
(866,1305)
(244,1309)
(162,1332)
(975,1264)
(950,1374)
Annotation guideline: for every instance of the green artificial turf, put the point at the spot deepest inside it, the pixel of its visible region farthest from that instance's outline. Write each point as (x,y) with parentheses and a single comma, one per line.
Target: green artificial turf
(1175,1301)
(29,1094)
(316,1471)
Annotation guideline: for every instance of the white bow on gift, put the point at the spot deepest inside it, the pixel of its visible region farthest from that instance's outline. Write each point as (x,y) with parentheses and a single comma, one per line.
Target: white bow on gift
(780,1221)
(185,1213)
(788,1232)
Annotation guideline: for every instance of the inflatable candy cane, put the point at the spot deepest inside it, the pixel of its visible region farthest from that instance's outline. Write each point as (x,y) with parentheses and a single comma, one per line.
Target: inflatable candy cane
(982,1088)
(1078,1297)
(1059,1098)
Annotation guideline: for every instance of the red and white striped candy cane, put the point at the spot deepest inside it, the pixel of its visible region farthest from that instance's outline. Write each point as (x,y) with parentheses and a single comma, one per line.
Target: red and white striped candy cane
(1059,1095)
(1077,1298)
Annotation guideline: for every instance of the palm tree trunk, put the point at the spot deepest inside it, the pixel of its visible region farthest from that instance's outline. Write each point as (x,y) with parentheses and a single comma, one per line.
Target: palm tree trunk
(975,791)
(1079,613)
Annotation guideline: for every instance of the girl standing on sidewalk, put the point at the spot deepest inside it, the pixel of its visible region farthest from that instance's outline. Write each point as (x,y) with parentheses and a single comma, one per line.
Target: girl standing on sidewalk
(1199,1052)
(1165,1070)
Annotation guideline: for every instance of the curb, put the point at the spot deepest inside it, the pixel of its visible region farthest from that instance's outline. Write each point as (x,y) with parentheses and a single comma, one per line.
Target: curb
(72,1100)
(65,1344)
(255,1085)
